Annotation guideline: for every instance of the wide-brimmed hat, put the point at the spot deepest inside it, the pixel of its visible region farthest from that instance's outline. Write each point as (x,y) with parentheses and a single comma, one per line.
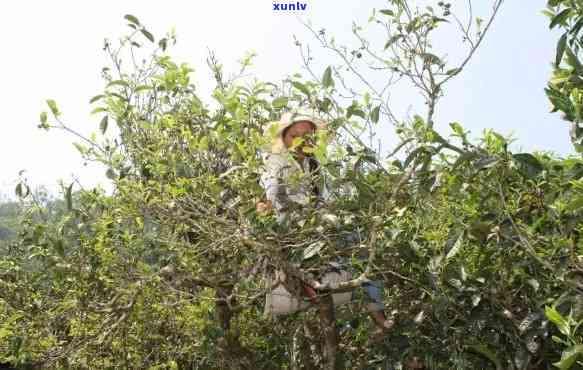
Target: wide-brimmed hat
(276,129)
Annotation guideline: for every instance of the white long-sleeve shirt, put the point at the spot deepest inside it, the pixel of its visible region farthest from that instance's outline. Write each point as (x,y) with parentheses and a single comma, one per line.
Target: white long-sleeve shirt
(285,180)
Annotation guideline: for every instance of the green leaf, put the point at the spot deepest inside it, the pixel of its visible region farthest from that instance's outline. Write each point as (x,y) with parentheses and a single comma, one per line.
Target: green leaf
(577,27)
(313,249)
(528,164)
(375,114)
(355,111)
(80,148)
(453,71)
(413,156)
(5,333)
(574,205)
(103,124)
(431,58)
(486,162)
(548,13)
(327,80)
(556,318)
(325,105)
(437,20)
(561,45)
(110,174)
(456,247)
(392,40)
(163,44)
(280,102)
(142,88)
(435,137)
(98,110)
(560,18)
(148,35)
(43,118)
(203,144)
(413,25)
(132,19)
(457,128)
(22,190)
(569,357)
(118,83)
(534,284)
(485,351)
(300,86)
(18,190)
(574,61)
(96,98)
(59,247)
(466,157)
(69,197)
(53,106)
(387,12)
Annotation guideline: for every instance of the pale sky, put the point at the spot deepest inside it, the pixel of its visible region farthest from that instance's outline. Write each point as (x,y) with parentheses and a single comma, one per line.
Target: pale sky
(52,50)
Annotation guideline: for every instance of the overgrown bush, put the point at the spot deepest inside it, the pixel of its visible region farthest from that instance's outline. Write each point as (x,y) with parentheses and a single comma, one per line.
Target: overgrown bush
(473,243)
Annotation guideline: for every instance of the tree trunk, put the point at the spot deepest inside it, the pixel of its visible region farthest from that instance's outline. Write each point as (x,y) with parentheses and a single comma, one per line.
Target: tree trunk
(232,354)
(224,313)
(330,342)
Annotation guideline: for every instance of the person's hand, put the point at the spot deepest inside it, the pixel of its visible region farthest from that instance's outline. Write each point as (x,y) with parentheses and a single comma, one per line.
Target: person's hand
(264,208)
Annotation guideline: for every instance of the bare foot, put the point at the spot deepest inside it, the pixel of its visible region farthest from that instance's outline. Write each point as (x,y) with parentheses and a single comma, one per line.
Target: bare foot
(388,324)
(382,326)
(381,321)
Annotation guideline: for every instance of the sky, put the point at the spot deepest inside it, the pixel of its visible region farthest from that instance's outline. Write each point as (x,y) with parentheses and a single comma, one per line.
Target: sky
(52,50)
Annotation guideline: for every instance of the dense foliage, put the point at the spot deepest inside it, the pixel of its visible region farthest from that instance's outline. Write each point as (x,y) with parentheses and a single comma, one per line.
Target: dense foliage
(479,248)
(565,87)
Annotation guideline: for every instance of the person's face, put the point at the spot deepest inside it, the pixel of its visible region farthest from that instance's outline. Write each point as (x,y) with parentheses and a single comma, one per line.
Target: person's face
(301,129)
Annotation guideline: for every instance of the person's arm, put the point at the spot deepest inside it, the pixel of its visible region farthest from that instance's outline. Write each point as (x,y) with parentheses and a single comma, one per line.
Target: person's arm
(275,192)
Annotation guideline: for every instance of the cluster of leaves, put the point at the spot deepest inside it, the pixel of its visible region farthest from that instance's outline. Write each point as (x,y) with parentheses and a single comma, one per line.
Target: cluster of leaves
(473,243)
(565,89)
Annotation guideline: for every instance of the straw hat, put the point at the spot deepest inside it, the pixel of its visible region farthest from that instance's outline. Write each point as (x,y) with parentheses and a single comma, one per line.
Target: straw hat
(277,128)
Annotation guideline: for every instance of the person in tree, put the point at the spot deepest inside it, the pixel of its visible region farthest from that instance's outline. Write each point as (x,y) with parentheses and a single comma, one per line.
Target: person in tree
(293,177)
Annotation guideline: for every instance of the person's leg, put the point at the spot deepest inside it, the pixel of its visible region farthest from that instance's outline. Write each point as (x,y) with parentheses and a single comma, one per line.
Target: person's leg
(374,292)
(380,320)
